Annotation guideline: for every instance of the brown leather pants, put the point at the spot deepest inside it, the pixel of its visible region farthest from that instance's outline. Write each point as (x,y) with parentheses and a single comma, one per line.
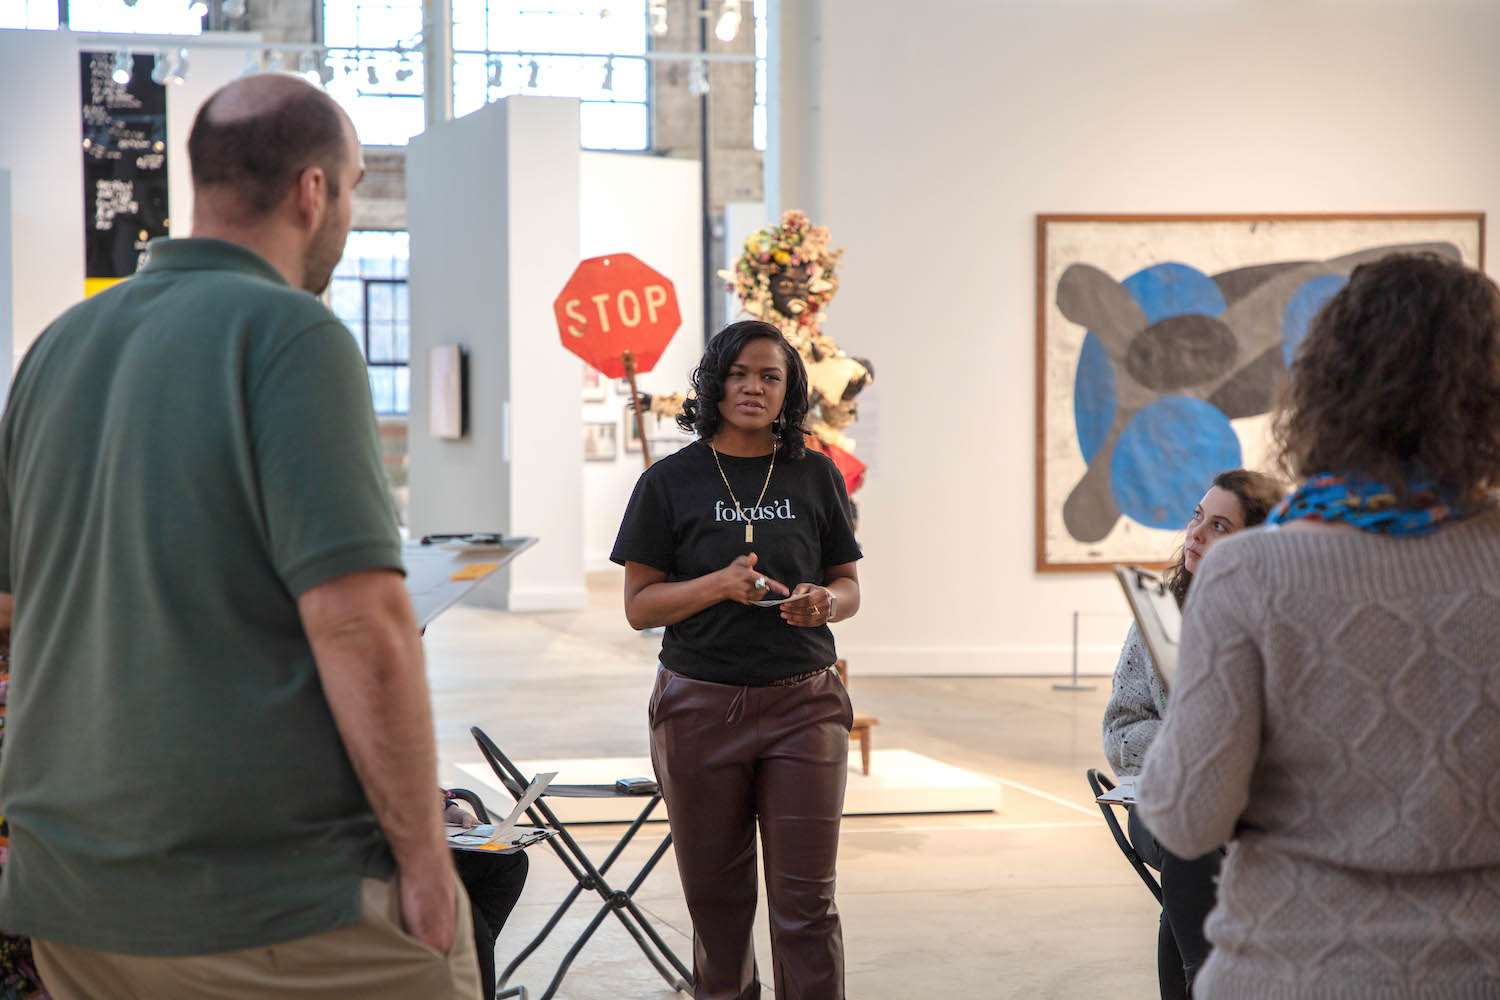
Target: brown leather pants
(726,757)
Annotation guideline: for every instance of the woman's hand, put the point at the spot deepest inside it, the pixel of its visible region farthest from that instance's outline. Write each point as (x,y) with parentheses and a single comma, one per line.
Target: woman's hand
(808,613)
(740,579)
(456,815)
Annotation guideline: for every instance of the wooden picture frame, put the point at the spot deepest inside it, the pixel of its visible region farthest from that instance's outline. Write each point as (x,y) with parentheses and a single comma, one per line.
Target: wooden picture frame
(1160,342)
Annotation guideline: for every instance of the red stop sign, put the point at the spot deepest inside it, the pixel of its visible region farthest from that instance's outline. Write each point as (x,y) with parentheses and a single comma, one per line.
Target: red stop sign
(616,304)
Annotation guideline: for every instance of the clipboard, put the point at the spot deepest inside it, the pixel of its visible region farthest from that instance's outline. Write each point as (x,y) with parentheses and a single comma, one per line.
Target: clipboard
(1156,615)
(440,569)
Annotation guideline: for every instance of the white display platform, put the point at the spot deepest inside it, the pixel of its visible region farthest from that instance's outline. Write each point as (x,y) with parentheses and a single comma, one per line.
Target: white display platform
(900,781)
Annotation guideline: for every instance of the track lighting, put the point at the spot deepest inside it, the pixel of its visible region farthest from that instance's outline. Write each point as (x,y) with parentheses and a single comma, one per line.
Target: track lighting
(609,73)
(495,71)
(177,72)
(658,17)
(159,70)
(729,21)
(123,68)
(232,9)
(198,8)
(273,61)
(370,75)
(254,63)
(536,68)
(404,70)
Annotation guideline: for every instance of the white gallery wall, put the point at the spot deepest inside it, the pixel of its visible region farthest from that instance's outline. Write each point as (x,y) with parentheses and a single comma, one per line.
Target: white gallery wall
(493,209)
(931,177)
(40,144)
(647,206)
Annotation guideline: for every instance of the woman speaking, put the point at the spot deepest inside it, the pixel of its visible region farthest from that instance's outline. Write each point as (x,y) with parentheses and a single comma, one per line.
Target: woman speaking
(749,720)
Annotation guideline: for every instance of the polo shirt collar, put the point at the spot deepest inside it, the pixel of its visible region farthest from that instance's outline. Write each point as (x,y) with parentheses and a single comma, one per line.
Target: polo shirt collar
(200,253)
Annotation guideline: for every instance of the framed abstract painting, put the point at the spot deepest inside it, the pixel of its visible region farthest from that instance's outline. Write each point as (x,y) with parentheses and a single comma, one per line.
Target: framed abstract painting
(1161,342)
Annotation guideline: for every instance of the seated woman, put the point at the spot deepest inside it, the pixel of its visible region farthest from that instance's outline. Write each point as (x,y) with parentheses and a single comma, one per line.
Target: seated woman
(1335,707)
(494,882)
(1237,499)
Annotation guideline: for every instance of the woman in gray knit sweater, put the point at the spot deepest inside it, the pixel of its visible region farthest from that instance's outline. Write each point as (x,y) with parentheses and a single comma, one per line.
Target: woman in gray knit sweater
(1237,499)
(1336,710)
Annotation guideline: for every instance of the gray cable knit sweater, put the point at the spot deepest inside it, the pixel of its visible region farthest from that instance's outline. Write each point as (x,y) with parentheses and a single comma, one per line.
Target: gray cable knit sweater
(1136,702)
(1337,713)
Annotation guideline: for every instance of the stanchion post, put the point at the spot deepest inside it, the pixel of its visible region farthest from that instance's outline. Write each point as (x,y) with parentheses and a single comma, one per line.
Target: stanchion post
(1074,685)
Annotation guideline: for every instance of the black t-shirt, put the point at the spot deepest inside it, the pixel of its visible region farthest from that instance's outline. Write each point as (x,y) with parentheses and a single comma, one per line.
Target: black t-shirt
(681,520)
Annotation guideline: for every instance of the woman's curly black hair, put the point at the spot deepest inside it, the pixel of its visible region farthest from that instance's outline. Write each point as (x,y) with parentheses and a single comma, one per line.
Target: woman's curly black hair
(701,416)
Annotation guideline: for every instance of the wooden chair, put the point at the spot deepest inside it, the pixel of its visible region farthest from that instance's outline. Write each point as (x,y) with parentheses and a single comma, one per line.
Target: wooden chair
(862,723)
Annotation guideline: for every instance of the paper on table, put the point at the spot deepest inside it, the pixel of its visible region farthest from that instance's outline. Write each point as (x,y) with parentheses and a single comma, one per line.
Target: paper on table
(505,829)
(782,600)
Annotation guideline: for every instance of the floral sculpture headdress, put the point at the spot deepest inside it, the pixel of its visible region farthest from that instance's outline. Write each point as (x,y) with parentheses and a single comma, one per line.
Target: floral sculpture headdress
(786,275)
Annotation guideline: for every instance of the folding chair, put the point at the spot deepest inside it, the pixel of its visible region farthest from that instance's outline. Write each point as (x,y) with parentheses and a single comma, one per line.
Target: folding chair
(619,902)
(1101,784)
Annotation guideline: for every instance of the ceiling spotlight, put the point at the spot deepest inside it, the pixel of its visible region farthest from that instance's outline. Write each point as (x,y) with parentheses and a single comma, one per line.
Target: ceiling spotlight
(698,81)
(729,21)
(403,71)
(658,17)
(198,8)
(370,75)
(123,68)
(609,73)
(178,71)
(159,69)
(536,68)
(496,68)
(273,61)
(232,9)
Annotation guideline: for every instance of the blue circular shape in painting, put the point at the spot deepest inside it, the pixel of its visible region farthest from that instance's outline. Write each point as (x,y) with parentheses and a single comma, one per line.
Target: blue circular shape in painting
(1302,307)
(1093,397)
(1167,457)
(1173,289)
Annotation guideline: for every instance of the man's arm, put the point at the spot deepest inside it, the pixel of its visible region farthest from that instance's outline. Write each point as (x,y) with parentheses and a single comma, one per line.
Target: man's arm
(364,636)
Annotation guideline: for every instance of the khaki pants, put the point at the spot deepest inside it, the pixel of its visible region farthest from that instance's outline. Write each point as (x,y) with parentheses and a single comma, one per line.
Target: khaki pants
(374,959)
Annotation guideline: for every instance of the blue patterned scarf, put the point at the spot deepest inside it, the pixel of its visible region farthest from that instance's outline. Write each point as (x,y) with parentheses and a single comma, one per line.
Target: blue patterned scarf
(1373,506)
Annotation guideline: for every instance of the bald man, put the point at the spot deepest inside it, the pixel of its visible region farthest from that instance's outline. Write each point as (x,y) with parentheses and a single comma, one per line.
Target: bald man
(219,765)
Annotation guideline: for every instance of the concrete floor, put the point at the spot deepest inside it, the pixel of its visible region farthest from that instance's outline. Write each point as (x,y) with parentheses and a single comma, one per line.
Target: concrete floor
(1034,901)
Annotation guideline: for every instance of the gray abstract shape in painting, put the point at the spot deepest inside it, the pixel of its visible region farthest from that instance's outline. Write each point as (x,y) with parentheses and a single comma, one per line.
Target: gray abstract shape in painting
(1179,352)
(1098,303)
(1252,389)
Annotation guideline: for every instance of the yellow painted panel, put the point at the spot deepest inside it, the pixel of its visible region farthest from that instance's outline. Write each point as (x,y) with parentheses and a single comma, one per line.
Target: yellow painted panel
(92,286)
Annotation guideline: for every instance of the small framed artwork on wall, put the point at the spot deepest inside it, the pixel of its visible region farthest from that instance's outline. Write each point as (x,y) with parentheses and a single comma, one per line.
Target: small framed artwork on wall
(632,436)
(593,385)
(600,441)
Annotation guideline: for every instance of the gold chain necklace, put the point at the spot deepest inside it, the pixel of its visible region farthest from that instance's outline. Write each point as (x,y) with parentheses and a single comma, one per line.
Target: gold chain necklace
(749,526)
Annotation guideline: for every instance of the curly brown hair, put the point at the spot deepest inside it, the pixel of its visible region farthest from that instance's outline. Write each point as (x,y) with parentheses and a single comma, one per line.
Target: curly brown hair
(1257,493)
(1398,380)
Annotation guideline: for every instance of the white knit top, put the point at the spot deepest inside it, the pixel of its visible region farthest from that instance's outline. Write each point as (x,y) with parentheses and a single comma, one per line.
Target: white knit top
(1336,713)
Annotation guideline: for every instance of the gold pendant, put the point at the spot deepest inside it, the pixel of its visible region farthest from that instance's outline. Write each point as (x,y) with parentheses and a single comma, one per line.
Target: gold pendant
(749,532)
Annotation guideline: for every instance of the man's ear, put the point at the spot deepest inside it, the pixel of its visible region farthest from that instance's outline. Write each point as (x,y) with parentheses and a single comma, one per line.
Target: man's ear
(311,196)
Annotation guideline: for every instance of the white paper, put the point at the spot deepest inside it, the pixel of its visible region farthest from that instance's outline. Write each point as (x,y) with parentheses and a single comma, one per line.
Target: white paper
(504,832)
(505,829)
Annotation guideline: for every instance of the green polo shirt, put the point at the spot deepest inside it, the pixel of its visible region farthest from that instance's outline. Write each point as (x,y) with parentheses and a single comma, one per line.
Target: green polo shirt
(182,456)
